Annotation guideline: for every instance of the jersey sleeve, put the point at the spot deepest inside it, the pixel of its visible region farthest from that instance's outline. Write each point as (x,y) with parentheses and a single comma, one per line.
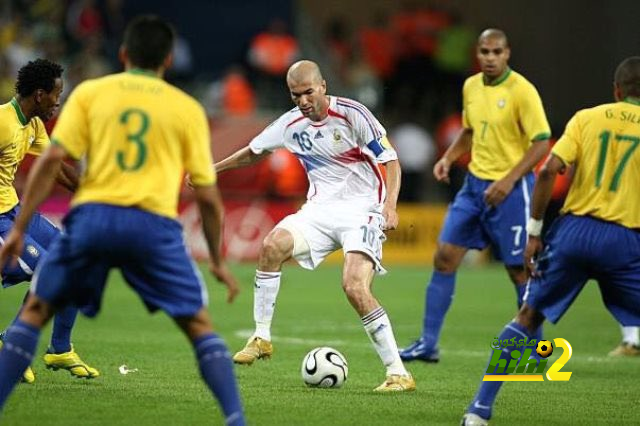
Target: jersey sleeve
(72,129)
(271,138)
(41,141)
(371,134)
(198,161)
(567,147)
(532,116)
(465,97)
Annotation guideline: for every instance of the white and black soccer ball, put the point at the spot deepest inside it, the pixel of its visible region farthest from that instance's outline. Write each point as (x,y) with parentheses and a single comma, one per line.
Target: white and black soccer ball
(324,368)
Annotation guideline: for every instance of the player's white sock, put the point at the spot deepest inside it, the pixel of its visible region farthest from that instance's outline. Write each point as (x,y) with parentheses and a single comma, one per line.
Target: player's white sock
(265,292)
(631,335)
(378,327)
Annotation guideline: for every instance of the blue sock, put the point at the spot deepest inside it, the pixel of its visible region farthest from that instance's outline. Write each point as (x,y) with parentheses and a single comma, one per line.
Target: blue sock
(437,301)
(62,324)
(217,371)
(521,289)
(17,352)
(482,403)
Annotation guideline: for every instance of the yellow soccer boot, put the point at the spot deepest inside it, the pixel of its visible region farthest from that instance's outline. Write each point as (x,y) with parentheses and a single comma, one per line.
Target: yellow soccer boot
(256,348)
(71,362)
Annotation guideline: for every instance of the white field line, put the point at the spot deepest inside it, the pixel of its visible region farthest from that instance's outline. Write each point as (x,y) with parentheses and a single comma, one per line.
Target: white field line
(245,334)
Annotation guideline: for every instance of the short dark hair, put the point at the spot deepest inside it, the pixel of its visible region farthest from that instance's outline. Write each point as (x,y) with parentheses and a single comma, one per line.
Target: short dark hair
(627,77)
(149,40)
(38,74)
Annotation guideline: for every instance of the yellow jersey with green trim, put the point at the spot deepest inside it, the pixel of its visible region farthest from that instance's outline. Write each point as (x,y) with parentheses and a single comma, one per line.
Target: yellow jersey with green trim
(505,117)
(603,142)
(137,135)
(18,137)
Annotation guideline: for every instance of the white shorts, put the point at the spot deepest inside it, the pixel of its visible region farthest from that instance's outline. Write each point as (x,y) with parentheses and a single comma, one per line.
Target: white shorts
(326,229)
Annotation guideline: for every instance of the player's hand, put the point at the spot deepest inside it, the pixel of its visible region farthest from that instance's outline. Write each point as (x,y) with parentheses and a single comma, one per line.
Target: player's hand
(12,248)
(441,170)
(534,247)
(391,218)
(224,276)
(498,191)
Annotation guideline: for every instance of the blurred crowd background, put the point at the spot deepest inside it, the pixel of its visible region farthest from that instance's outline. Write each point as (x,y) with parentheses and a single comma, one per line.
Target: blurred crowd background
(405,60)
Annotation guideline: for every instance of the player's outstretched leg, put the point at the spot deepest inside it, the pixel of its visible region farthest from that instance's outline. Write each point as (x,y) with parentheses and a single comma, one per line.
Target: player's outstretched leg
(215,365)
(276,248)
(481,407)
(265,292)
(61,354)
(438,298)
(20,342)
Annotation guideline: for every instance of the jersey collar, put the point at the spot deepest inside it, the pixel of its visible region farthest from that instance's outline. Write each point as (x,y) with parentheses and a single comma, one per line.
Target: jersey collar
(498,80)
(21,117)
(631,100)
(140,71)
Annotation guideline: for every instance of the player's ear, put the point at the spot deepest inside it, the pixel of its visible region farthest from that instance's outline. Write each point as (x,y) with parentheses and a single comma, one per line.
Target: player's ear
(122,55)
(617,93)
(323,87)
(168,61)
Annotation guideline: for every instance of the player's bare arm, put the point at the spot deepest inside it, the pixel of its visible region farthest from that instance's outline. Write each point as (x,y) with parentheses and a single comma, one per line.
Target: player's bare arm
(241,158)
(389,210)
(212,212)
(541,196)
(460,146)
(499,190)
(68,177)
(39,185)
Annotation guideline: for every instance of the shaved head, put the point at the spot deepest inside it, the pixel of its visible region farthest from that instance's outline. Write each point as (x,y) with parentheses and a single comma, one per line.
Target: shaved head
(493,34)
(627,77)
(304,71)
(308,89)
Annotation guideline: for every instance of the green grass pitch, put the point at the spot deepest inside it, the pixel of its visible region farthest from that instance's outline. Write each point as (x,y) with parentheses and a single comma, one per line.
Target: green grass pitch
(312,311)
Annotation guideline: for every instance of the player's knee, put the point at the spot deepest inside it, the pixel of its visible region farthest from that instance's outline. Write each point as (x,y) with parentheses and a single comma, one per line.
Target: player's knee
(445,261)
(354,286)
(517,274)
(274,250)
(529,317)
(36,311)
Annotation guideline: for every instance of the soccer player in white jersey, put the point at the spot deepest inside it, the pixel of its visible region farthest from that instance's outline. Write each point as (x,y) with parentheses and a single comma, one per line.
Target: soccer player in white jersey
(340,144)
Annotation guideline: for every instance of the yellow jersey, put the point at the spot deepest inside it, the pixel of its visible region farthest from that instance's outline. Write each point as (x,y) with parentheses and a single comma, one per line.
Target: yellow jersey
(505,118)
(18,137)
(137,135)
(603,144)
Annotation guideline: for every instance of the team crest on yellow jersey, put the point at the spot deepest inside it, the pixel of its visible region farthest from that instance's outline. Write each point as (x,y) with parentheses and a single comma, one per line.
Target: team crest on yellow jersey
(501,103)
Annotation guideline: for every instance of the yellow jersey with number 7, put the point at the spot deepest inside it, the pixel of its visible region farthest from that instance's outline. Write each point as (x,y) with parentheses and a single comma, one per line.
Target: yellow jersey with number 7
(137,135)
(506,117)
(603,143)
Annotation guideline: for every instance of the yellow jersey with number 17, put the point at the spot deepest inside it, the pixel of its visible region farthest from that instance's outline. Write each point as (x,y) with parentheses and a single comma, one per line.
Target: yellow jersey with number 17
(137,135)
(18,137)
(603,143)
(505,116)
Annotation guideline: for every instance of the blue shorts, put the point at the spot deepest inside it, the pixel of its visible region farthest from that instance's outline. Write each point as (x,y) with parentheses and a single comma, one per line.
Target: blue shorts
(473,224)
(579,248)
(147,248)
(39,236)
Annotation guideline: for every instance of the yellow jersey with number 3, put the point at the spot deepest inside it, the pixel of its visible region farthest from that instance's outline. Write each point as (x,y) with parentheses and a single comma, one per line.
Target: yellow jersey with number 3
(506,117)
(137,135)
(18,137)
(603,142)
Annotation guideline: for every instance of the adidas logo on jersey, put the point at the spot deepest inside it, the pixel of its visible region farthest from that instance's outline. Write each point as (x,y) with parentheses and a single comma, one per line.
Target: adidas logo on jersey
(318,136)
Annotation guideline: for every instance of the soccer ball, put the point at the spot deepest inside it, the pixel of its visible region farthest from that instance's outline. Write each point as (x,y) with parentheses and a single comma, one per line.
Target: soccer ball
(544,348)
(324,368)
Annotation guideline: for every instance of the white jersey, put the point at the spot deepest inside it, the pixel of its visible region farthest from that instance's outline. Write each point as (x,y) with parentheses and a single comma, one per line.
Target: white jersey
(340,153)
